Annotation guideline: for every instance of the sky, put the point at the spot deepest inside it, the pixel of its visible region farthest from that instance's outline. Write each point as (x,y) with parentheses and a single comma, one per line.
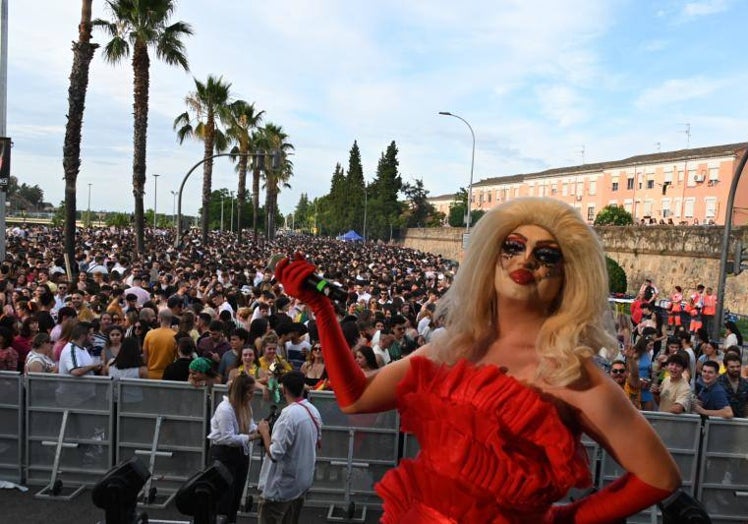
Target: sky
(543,83)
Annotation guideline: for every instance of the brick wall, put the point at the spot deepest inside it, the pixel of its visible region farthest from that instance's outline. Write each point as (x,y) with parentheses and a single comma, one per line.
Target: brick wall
(670,256)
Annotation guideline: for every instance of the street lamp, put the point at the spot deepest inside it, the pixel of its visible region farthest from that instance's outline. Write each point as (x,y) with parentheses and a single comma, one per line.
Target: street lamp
(88,213)
(366,204)
(472,163)
(155,198)
(231,227)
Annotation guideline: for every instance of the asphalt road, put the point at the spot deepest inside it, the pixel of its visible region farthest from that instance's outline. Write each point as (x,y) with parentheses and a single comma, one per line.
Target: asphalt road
(18,508)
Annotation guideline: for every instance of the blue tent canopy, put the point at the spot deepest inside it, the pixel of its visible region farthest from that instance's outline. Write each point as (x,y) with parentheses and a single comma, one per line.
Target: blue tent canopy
(350,236)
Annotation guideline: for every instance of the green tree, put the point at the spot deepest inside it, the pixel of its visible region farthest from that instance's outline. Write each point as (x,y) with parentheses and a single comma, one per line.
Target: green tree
(613,215)
(303,214)
(617,281)
(419,212)
(355,188)
(208,106)
(260,142)
(277,172)
(140,25)
(34,195)
(242,120)
(383,205)
(334,207)
(118,219)
(83,52)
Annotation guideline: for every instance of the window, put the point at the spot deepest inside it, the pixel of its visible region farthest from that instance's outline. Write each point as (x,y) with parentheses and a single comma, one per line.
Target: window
(593,187)
(680,175)
(713,174)
(590,213)
(669,175)
(666,208)
(614,187)
(677,204)
(647,208)
(565,189)
(628,205)
(630,183)
(710,204)
(488,197)
(688,208)
(691,177)
(650,184)
(580,188)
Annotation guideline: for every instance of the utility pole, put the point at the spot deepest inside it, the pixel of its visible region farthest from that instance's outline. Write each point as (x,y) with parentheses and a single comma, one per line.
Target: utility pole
(3,112)
(155,199)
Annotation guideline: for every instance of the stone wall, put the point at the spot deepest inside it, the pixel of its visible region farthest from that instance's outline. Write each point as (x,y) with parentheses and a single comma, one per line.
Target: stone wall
(670,256)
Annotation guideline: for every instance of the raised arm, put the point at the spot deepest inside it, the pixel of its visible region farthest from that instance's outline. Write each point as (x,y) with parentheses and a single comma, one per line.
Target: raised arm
(354,391)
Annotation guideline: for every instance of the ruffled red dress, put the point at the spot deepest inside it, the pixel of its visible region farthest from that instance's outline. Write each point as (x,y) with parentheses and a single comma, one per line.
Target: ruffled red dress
(492,449)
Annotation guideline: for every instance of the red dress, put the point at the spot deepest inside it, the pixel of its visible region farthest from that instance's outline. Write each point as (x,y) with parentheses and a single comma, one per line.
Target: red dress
(492,449)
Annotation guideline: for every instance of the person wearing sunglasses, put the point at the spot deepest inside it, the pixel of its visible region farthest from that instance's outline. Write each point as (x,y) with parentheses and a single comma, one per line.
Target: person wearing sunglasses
(513,370)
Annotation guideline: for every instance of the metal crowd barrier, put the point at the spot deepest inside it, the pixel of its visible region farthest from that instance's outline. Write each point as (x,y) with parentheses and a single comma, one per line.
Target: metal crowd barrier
(165,423)
(357,450)
(11,426)
(723,483)
(69,443)
(681,435)
(69,433)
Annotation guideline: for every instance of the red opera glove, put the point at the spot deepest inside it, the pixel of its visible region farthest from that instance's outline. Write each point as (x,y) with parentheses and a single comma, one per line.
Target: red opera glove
(346,377)
(626,496)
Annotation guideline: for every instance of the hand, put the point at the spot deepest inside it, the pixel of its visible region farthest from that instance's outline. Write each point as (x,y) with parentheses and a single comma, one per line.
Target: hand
(655,389)
(293,274)
(263,428)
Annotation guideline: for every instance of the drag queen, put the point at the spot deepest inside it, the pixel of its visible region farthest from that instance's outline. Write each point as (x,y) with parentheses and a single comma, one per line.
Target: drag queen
(499,401)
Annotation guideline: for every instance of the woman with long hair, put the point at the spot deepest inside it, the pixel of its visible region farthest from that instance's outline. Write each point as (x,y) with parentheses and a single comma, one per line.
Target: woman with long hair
(365,359)
(67,329)
(314,367)
(733,337)
(231,429)
(128,364)
(513,370)
(115,335)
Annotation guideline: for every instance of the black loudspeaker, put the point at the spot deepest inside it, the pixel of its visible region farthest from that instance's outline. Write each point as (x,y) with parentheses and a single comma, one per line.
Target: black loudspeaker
(117,492)
(199,495)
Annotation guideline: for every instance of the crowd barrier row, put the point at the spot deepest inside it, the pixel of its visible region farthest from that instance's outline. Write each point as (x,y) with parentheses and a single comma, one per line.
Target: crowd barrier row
(64,433)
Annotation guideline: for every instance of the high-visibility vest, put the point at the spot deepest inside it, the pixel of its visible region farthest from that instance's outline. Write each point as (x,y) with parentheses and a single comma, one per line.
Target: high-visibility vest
(710,305)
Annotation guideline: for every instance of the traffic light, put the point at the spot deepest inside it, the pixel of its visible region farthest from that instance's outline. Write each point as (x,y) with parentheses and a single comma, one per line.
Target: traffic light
(741,258)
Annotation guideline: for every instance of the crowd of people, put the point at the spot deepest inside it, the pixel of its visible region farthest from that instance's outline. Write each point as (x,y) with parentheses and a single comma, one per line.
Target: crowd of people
(218,313)
(672,359)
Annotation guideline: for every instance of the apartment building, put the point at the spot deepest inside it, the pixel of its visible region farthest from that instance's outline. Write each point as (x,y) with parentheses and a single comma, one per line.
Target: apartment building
(689,186)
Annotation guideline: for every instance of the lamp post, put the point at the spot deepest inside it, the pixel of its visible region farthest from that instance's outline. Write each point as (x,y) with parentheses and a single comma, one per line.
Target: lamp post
(88,213)
(155,198)
(472,163)
(231,227)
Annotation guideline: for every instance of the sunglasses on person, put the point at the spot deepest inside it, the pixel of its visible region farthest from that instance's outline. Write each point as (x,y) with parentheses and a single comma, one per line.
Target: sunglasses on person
(618,371)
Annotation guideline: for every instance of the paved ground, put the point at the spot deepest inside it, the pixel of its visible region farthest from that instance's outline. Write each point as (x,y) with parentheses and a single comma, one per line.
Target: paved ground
(18,508)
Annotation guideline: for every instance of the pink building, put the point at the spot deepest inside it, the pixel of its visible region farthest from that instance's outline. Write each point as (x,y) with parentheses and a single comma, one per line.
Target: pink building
(687,186)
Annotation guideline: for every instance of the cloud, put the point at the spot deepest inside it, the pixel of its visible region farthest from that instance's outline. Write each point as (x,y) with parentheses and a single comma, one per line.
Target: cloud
(679,90)
(704,8)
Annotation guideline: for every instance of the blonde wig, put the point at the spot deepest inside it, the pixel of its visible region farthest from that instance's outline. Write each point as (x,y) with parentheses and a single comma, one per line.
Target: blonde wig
(579,322)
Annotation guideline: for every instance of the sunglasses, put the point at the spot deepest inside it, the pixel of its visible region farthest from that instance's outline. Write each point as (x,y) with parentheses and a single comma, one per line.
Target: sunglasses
(618,371)
(545,254)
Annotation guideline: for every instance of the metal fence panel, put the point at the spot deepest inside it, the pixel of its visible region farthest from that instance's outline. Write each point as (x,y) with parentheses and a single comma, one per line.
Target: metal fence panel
(88,434)
(681,435)
(11,426)
(357,450)
(723,483)
(165,424)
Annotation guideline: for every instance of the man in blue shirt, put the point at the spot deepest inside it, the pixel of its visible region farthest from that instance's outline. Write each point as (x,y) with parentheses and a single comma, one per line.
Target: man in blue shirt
(712,398)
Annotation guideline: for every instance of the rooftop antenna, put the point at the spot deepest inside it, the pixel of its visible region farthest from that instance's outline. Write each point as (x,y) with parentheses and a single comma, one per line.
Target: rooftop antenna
(581,152)
(687,131)
(658,146)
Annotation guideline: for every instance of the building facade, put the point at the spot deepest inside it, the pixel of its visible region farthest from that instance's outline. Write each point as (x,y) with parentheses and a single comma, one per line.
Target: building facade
(688,187)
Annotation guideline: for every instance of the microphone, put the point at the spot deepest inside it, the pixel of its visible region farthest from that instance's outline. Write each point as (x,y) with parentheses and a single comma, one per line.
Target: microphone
(317,283)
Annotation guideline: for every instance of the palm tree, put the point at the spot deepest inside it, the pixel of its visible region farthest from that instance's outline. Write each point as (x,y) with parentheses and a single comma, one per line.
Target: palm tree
(209,104)
(83,51)
(242,119)
(260,142)
(142,24)
(276,175)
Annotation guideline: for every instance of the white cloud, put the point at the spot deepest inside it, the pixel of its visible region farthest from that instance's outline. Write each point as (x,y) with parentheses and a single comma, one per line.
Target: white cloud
(703,8)
(679,90)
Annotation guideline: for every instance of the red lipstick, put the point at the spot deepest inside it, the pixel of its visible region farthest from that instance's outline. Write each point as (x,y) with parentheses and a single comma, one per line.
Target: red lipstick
(522,277)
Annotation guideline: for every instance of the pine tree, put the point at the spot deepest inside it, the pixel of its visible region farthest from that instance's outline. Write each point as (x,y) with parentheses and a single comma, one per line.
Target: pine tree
(383,206)
(355,187)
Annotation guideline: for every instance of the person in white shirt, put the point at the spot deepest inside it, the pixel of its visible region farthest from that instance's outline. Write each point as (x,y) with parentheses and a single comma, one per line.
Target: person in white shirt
(288,470)
(231,430)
